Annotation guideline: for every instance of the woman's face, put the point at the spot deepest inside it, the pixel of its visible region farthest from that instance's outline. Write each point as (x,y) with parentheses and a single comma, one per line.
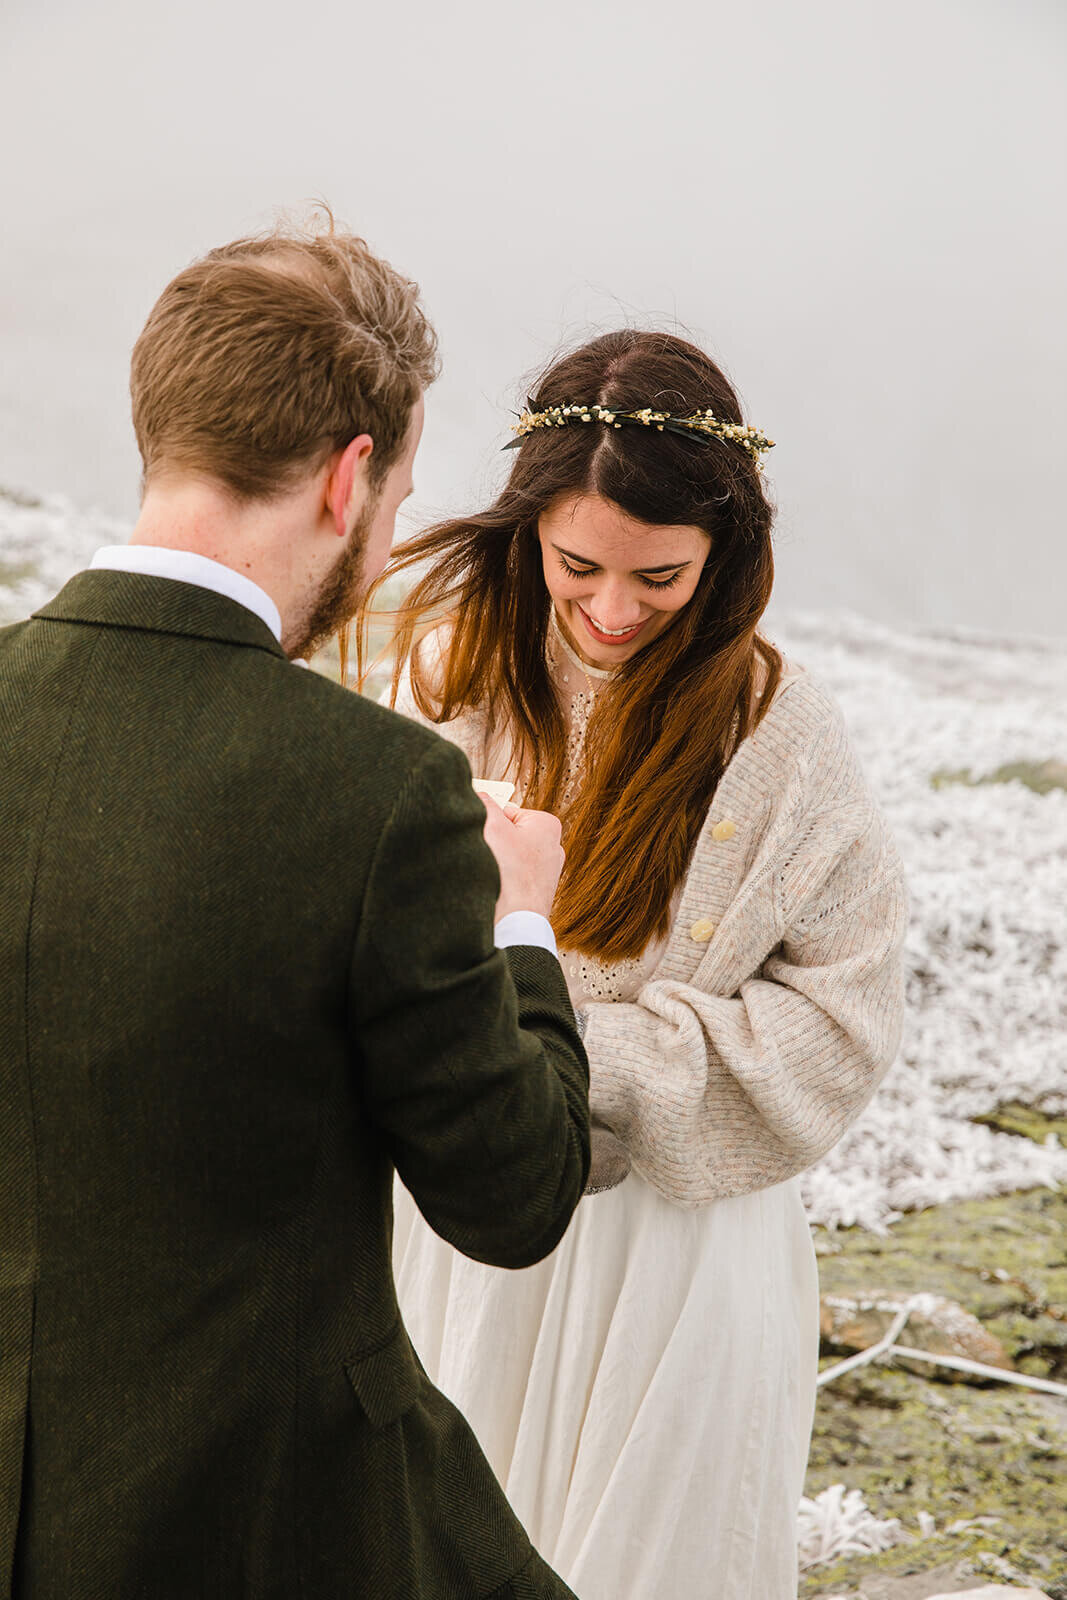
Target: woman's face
(616,583)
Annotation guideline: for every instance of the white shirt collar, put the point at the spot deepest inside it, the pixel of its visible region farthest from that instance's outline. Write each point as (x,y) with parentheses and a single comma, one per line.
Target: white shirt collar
(186,567)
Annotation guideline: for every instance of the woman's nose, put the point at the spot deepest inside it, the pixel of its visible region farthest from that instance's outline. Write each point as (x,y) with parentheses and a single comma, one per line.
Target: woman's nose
(614,606)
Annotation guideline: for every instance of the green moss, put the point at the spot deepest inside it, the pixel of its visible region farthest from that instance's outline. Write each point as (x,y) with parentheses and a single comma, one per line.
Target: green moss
(1025,1121)
(915,1443)
(17,497)
(12,572)
(1041,776)
(955,1452)
(977,1252)
(1036,1342)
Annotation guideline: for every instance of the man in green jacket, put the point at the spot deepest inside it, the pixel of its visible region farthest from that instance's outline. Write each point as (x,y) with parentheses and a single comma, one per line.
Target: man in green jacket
(255,954)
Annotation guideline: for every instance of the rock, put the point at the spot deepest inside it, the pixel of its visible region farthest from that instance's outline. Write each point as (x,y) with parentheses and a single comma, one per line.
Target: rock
(987,1463)
(1003,1258)
(916,1586)
(991,1591)
(936,1324)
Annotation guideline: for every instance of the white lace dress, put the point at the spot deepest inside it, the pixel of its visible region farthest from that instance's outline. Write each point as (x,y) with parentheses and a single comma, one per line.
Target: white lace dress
(645,1394)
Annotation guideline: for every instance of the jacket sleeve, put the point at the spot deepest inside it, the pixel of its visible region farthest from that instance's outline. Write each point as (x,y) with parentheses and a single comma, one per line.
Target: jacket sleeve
(717,1095)
(471,1060)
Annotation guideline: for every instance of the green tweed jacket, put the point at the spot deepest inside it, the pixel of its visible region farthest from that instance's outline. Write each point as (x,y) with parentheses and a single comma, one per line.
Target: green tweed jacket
(247,970)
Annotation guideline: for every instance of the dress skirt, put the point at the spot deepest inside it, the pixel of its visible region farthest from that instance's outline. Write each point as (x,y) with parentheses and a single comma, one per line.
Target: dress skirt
(645,1394)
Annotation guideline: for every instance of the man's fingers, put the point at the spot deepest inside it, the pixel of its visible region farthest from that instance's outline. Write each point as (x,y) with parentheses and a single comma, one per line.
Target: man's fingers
(539,822)
(509,809)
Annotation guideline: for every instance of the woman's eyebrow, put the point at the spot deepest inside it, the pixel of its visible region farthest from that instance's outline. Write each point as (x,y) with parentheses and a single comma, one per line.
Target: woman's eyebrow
(584,561)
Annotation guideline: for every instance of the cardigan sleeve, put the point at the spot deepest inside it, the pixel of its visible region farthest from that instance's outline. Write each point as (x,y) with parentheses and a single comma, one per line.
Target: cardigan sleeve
(717,1095)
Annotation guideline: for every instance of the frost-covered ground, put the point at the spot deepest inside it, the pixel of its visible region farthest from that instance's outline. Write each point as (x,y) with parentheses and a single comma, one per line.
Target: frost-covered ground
(987,950)
(41,543)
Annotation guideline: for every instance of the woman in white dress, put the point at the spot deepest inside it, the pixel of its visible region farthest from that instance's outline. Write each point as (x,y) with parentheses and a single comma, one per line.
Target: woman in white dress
(730,920)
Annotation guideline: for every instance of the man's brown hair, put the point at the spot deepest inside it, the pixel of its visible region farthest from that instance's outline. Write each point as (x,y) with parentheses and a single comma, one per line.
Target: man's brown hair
(270,353)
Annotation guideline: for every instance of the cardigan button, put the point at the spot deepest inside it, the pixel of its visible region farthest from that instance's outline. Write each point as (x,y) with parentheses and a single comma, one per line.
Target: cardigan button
(724,830)
(702,931)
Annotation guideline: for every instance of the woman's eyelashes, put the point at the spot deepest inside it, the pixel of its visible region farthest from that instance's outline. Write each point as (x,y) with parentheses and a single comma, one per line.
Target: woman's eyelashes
(649,583)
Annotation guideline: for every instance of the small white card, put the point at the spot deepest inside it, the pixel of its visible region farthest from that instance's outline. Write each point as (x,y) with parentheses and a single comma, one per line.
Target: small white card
(495,789)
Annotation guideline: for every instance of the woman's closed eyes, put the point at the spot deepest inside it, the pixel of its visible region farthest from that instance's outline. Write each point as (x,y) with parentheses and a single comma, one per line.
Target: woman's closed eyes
(649,583)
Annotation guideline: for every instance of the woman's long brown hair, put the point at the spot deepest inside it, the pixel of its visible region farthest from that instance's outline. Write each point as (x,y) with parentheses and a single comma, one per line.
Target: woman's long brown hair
(664,728)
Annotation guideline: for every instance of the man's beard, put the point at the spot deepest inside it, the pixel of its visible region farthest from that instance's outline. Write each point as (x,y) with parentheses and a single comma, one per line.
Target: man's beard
(337,600)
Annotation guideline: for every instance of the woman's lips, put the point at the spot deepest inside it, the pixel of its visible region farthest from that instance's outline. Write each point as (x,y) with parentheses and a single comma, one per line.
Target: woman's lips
(611,638)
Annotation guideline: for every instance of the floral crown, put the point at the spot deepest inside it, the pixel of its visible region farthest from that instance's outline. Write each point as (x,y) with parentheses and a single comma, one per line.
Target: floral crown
(701,424)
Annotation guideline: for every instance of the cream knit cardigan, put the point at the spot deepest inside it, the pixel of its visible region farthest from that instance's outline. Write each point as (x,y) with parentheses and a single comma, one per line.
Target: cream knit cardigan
(776,1007)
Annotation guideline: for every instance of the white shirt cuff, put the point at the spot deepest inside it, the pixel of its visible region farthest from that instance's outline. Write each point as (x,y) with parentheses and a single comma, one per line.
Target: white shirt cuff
(525,927)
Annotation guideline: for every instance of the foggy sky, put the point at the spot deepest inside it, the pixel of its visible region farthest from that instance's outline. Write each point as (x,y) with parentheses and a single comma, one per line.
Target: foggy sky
(856,208)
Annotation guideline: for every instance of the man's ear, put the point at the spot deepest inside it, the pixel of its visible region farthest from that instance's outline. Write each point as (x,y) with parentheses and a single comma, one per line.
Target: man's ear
(347,486)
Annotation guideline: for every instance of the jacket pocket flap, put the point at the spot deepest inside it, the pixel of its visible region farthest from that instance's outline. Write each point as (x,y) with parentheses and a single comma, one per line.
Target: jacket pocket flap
(386,1380)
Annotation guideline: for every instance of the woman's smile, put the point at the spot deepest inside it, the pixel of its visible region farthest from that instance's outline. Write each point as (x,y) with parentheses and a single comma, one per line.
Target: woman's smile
(611,636)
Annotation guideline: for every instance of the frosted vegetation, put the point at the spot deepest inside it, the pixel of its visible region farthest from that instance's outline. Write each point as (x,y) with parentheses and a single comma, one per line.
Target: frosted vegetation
(987,869)
(931,714)
(838,1523)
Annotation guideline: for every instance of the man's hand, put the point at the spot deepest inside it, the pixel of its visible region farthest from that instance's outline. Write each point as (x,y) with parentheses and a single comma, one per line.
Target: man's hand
(529,855)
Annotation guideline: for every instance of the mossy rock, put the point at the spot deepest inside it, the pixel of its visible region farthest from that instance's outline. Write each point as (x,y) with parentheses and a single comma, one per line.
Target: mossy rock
(1003,1259)
(959,1454)
(955,1450)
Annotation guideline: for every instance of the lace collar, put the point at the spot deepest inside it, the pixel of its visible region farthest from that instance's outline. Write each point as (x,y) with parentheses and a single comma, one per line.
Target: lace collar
(562,650)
